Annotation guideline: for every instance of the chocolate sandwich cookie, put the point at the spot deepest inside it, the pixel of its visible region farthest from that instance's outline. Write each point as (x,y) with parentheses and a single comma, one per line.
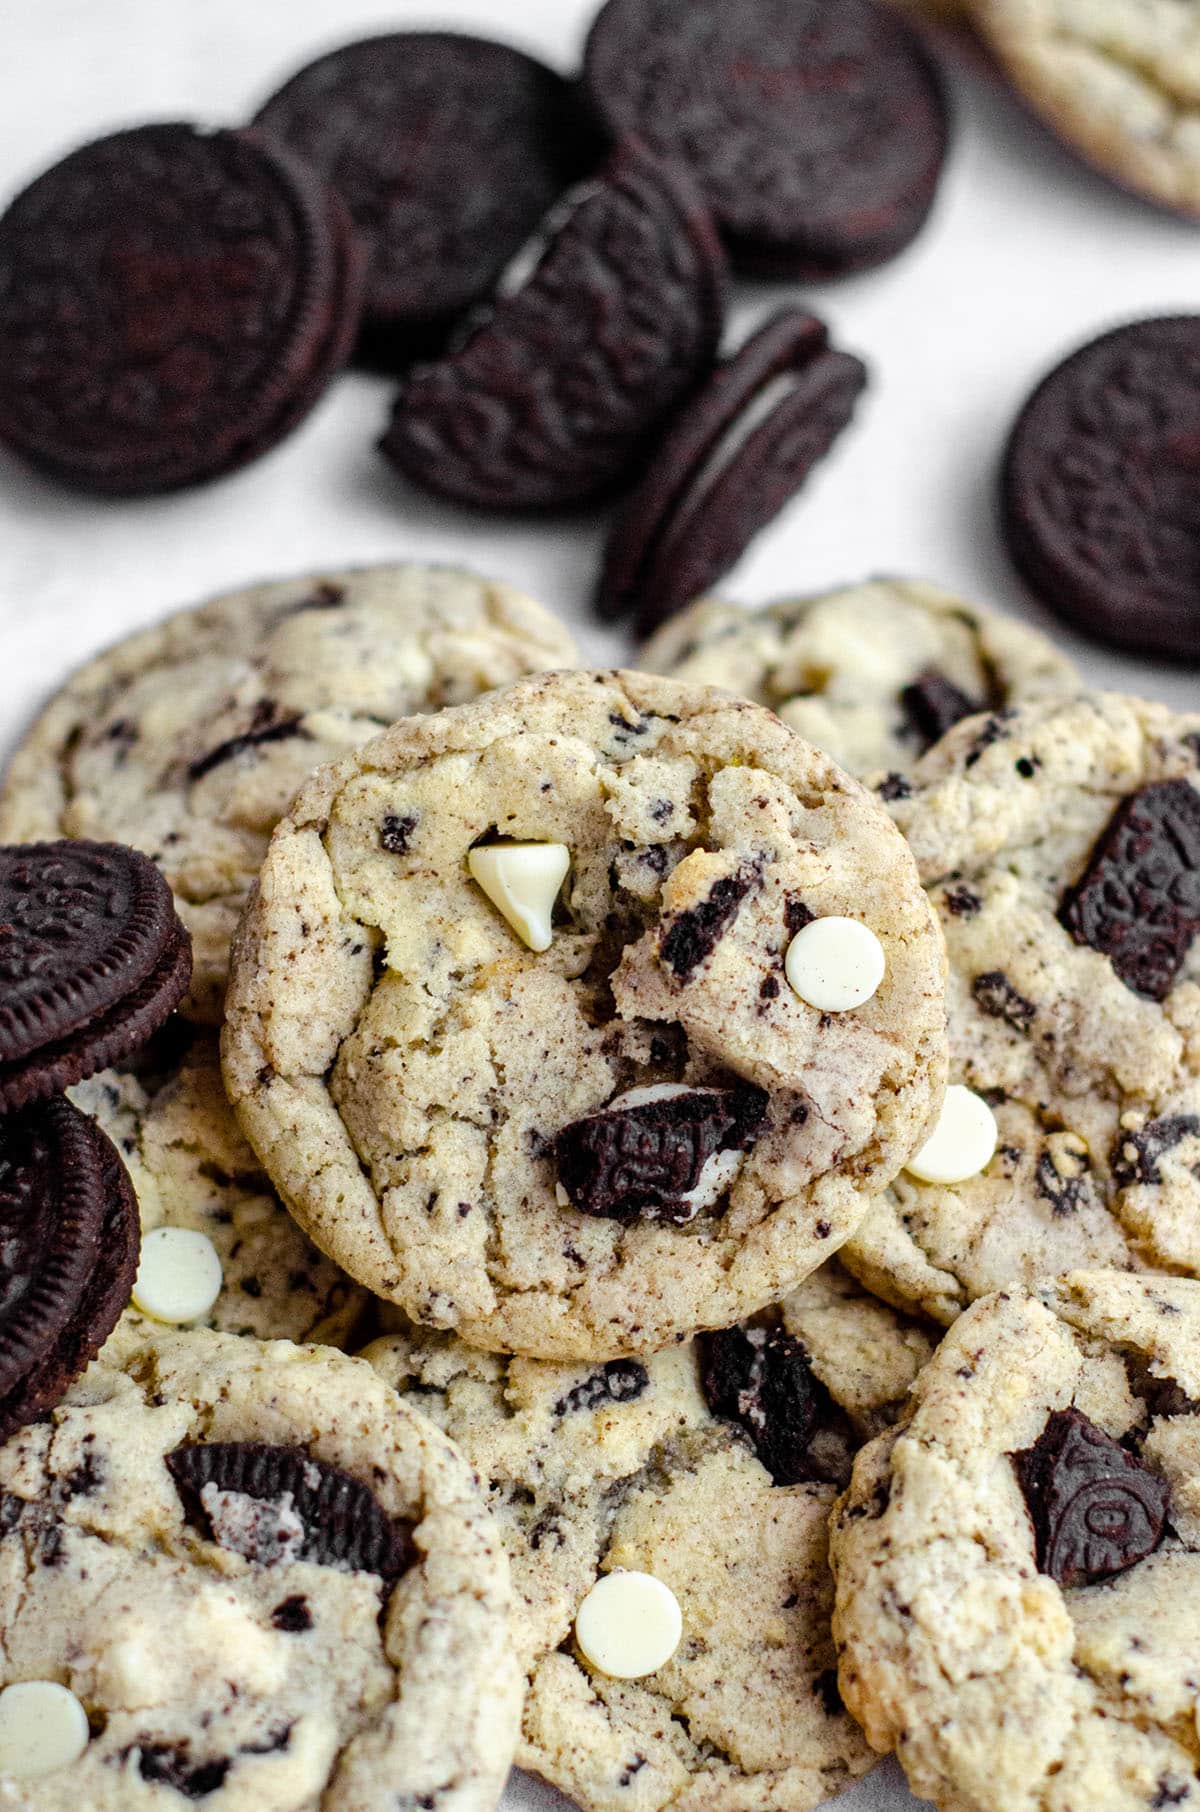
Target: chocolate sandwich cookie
(1060,846)
(1017,1562)
(649,1485)
(68,1253)
(188,739)
(816,132)
(92,957)
(1099,489)
(246,1574)
(554,392)
(447,151)
(727,465)
(602,999)
(172,302)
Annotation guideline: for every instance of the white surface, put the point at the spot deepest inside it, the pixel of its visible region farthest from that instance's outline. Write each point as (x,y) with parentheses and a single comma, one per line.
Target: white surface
(1027,255)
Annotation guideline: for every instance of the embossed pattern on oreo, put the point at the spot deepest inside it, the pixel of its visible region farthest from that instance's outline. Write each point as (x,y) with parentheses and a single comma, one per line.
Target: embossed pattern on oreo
(1138,901)
(278,1503)
(642,1162)
(1096,1509)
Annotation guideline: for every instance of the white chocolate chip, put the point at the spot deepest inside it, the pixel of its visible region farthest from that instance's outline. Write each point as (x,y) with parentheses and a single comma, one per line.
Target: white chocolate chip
(835,964)
(629,1625)
(42,1727)
(961,1144)
(522,881)
(179,1277)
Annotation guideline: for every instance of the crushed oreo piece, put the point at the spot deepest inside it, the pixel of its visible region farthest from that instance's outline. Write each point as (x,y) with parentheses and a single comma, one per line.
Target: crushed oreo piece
(996,996)
(993,731)
(894,786)
(1138,900)
(761,1379)
(1096,1509)
(618,1381)
(292,1615)
(396,832)
(644,1160)
(692,935)
(172,1766)
(1064,1192)
(933,704)
(1136,1155)
(274,1504)
(266,725)
(961,902)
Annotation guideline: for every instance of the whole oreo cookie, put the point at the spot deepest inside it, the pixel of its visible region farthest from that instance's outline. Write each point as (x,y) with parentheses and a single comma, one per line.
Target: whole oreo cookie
(68,1253)
(172,302)
(92,961)
(447,150)
(817,132)
(555,390)
(727,465)
(1099,488)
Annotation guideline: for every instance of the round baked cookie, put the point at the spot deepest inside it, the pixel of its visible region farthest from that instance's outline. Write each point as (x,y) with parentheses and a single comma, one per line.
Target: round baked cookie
(192,1168)
(189,739)
(1018,1563)
(1118,80)
(1060,846)
(628,1465)
(629,1127)
(874,673)
(268,1581)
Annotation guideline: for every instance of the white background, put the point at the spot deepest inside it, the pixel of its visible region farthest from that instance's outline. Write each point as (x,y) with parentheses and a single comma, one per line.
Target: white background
(1026,256)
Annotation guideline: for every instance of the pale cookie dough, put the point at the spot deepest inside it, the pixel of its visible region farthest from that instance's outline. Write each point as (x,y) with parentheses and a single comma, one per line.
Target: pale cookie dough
(404,1064)
(626,1466)
(191,1167)
(1095,1088)
(1000,1690)
(841,667)
(253,1673)
(1119,80)
(189,739)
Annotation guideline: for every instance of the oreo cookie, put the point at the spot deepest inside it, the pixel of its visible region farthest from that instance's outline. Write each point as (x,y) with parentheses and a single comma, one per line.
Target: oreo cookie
(278,1504)
(557,388)
(447,150)
(726,466)
(816,131)
(761,1379)
(1096,1509)
(1099,486)
(172,302)
(661,1153)
(69,1239)
(92,961)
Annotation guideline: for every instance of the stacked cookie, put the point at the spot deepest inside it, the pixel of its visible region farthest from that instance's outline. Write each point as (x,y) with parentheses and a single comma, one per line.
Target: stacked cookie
(642,1097)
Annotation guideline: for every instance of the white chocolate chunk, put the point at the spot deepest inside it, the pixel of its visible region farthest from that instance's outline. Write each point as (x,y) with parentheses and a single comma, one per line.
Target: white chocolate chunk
(835,964)
(522,881)
(42,1727)
(179,1277)
(961,1144)
(629,1625)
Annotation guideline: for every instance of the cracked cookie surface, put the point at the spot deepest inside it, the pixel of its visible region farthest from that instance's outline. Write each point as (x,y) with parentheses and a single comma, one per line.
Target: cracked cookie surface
(191,1167)
(872,673)
(627,1465)
(1095,1086)
(1119,80)
(406,1066)
(1001,1690)
(189,739)
(245,1651)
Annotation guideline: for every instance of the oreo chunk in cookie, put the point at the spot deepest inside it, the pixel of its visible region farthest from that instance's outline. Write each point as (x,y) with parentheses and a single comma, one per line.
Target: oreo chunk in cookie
(554,392)
(665,1152)
(761,1378)
(1138,901)
(1096,1509)
(277,1504)
(172,302)
(92,961)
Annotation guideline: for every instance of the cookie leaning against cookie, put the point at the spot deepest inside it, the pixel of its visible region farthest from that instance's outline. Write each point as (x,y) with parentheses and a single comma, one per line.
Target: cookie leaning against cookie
(711,1468)
(620,1124)
(1060,845)
(244,1266)
(264,1580)
(189,739)
(1018,1565)
(873,673)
